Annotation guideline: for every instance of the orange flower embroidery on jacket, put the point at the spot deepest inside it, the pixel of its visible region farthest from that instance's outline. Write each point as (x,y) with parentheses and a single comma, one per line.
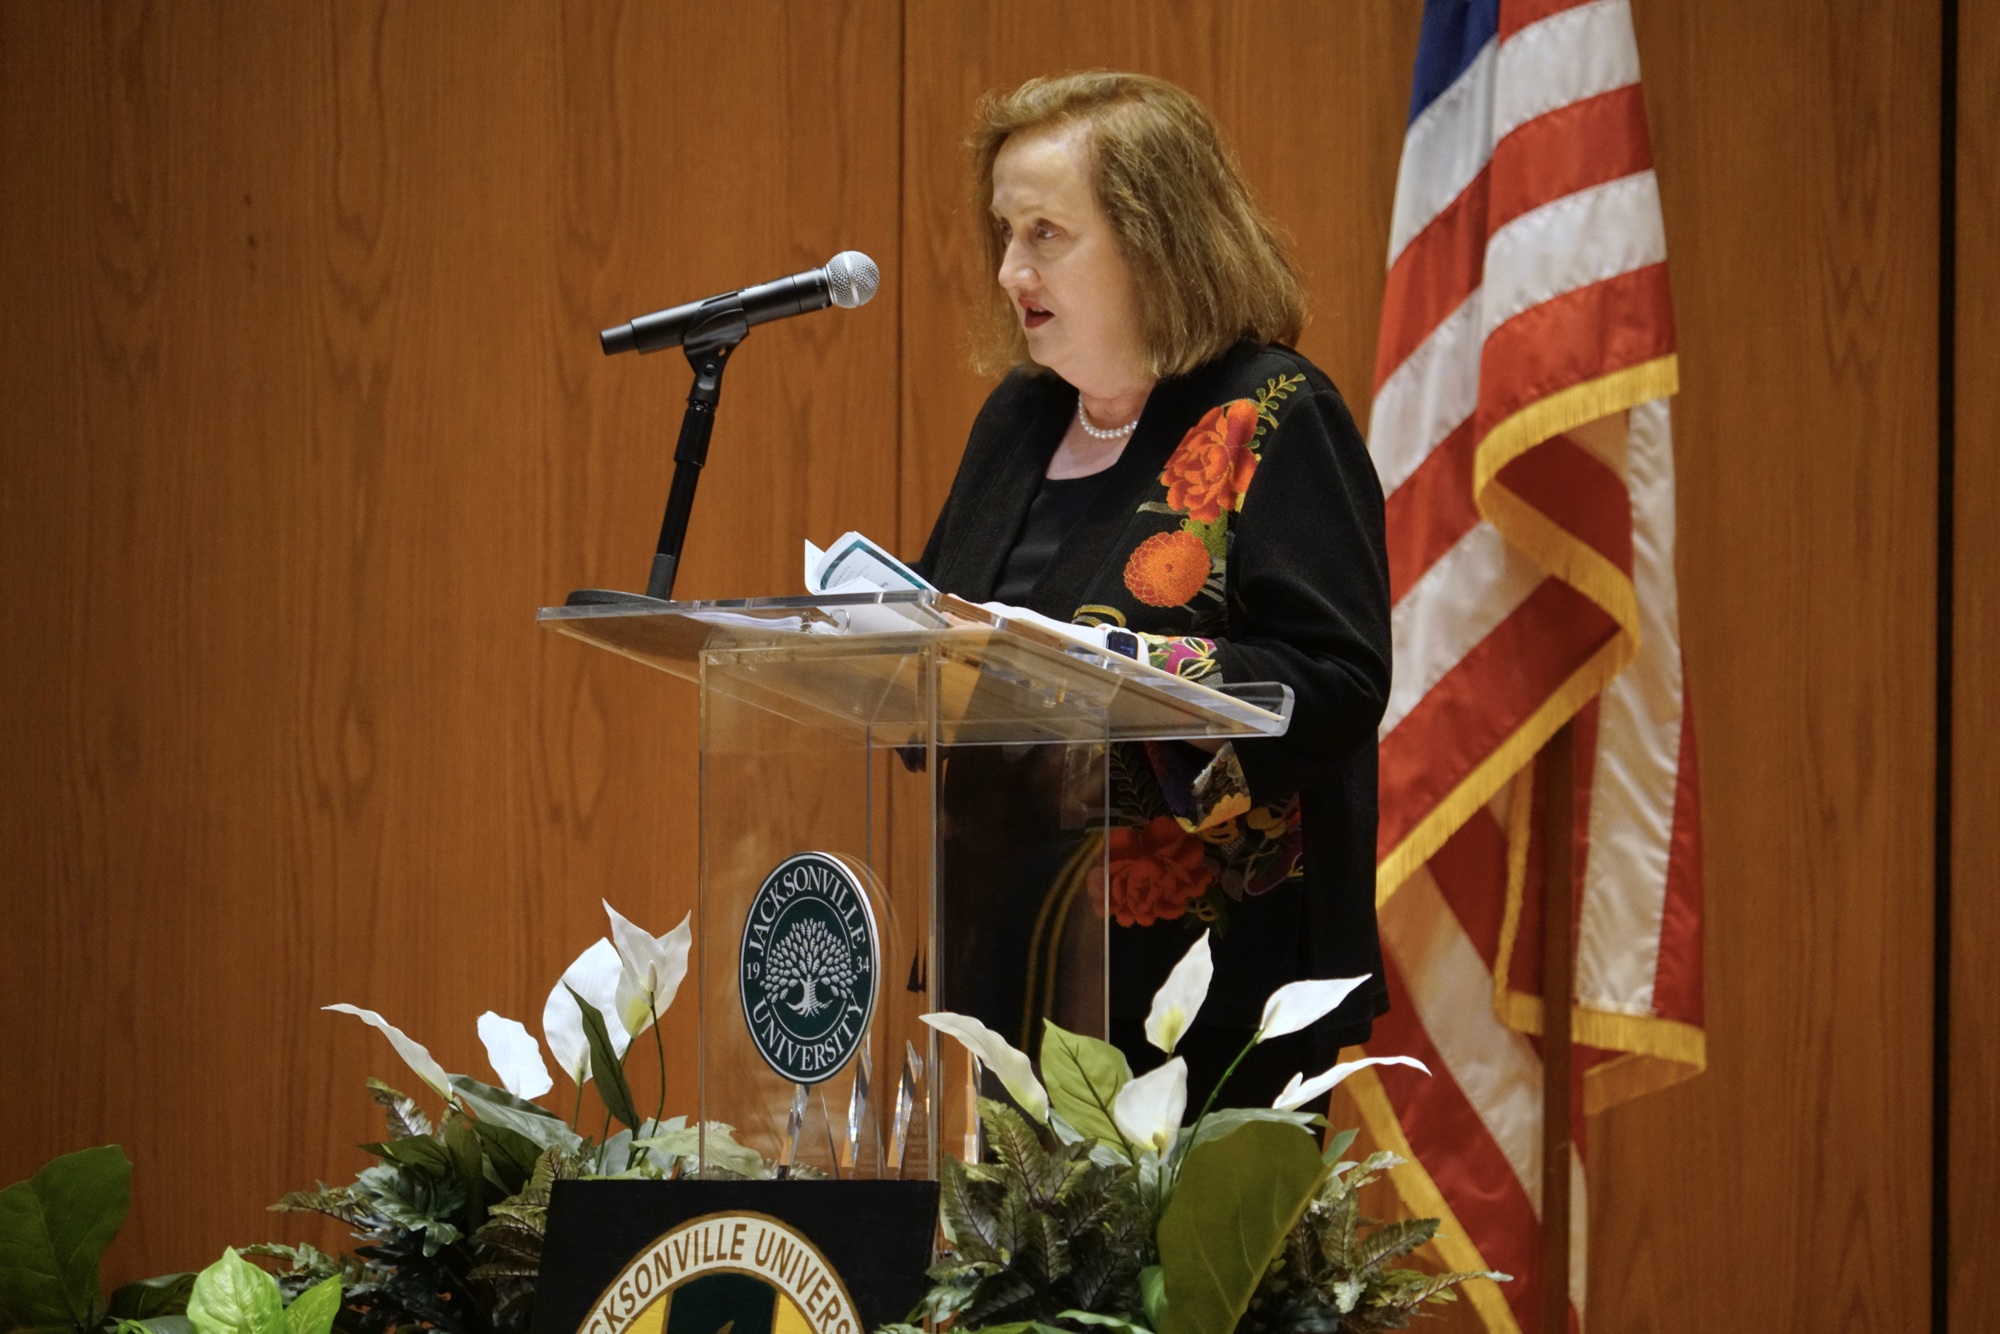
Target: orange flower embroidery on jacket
(1213,465)
(1156,871)
(1167,569)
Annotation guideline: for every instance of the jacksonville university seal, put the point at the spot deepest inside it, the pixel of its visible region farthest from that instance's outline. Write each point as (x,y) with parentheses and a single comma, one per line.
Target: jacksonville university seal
(739,1270)
(809,966)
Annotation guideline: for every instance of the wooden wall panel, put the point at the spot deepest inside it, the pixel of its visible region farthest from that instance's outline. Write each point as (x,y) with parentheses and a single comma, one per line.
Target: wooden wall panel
(1788,1188)
(1975,853)
(304,417)
(1311,96)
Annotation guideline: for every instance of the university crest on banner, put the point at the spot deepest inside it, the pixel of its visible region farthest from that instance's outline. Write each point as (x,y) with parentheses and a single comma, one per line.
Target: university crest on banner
(734,1271)
(755,1257)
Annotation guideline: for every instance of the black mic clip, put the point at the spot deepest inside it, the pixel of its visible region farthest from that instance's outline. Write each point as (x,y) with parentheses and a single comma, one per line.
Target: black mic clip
(717,329)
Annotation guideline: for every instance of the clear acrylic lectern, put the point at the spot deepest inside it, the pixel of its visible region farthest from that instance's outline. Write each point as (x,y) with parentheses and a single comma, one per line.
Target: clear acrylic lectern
(912,763)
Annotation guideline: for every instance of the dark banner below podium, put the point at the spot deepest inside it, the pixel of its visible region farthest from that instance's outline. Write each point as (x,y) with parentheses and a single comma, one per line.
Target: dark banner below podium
(752,1257)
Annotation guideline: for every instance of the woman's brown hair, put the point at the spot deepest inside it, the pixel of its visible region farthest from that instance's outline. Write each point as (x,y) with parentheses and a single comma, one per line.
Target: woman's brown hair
(1211,268)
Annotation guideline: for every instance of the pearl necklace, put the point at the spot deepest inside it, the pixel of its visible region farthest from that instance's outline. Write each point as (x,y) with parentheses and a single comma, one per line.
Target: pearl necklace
(1099,432)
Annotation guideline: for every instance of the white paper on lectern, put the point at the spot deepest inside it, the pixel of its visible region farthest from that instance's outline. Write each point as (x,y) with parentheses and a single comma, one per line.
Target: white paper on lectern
(1092,636)
(857,564)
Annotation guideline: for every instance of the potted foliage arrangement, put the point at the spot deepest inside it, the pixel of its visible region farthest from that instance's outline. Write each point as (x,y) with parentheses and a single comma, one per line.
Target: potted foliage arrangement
(1093,1206)
(452,1217)
(1096,1206)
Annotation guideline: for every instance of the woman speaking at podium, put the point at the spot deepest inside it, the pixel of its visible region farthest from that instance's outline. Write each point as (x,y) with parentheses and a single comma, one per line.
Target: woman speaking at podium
(1158,459)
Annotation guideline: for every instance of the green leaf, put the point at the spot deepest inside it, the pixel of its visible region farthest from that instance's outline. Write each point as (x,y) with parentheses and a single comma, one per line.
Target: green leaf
(156,1324)
(54,1230)
(401,1112)
(497,1106)
(1153,1295)
(678,1141)
(1339,1144)
(724,1150)
(304,1261)
(605,1067)
(1020,1159)
(614,1156)
(337,1202)
(461,1143)
(233,1296)
(312,1312)
(414,1202)
(1117,1322)
(966,1218)
(423,1153)
(1083,1075)
(1236,1201)
(1219,1123)
(1392,1241)
(165,1295)
(510,1157)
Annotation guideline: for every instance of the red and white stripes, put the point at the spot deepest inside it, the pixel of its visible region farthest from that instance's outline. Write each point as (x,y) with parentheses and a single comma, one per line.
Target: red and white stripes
(1522,435)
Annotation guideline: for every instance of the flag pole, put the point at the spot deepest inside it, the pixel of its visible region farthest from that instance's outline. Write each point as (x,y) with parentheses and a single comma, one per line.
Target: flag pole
(1558,967)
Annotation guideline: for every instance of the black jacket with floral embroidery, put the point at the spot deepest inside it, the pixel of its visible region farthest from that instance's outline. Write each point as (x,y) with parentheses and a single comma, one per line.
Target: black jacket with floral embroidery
(1240,533)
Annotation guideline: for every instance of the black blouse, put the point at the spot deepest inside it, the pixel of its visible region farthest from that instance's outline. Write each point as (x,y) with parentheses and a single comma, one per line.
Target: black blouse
(1059,502)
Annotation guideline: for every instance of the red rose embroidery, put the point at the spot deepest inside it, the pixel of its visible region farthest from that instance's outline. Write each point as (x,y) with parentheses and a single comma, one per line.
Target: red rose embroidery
(1213,465)
(1167,569)
(1156,871)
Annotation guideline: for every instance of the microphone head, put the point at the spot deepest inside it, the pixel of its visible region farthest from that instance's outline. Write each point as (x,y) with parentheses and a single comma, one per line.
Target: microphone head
(851,278)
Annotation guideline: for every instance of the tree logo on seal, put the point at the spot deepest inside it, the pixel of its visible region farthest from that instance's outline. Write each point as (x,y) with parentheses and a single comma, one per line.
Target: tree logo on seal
(809,966)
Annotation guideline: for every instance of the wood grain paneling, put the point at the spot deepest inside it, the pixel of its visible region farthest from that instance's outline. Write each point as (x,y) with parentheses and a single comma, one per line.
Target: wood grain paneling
(1975,854)
(305,416)
(1788,1188)
(1311,97)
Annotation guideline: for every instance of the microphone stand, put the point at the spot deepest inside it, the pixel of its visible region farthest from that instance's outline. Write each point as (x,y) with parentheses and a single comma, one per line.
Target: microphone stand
(707,345)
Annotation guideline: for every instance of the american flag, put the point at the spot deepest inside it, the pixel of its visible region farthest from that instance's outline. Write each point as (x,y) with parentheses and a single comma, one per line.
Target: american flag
(1521,430)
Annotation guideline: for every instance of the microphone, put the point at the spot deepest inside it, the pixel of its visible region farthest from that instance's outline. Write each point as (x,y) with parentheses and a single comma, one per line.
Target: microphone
(849,279)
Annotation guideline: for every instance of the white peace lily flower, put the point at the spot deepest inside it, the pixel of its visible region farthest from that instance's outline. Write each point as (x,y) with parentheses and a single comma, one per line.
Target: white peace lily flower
(414,1054)
(1016,1072)
(1297,1004)
(1302,1091)
(594,975)
(1149,1109)
(515,1056)
(653,967)
(1179,998)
